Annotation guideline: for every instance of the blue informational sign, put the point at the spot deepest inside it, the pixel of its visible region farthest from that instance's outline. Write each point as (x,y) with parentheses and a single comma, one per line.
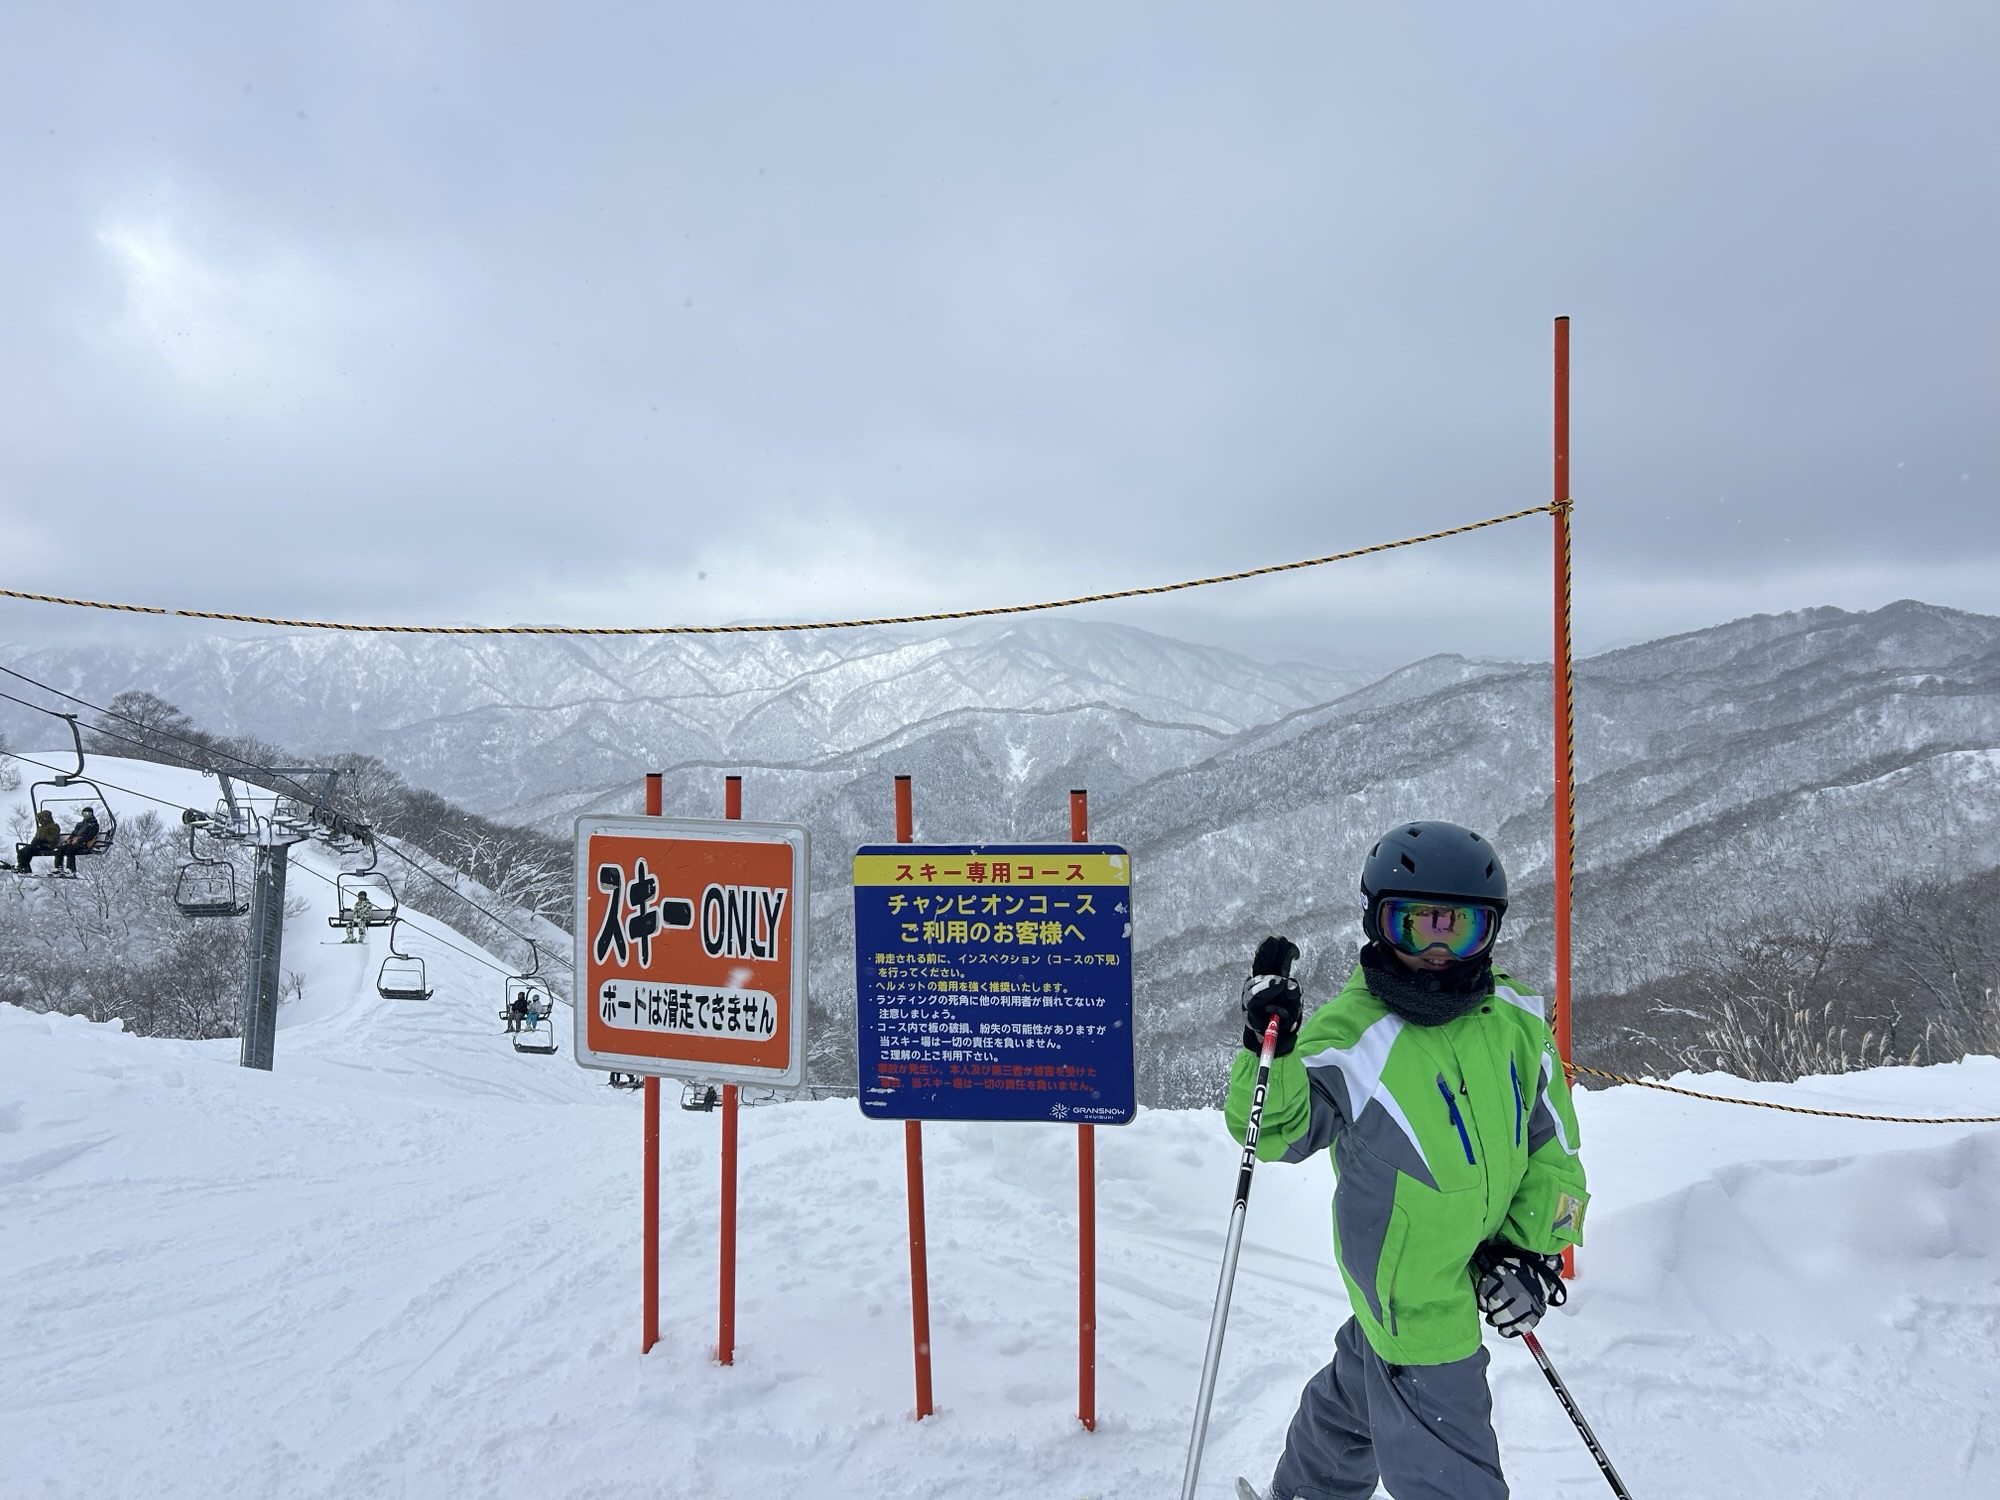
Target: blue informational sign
(994,982)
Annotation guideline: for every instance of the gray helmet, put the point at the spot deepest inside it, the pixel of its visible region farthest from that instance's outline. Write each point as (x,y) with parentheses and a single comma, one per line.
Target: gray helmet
(1432,859)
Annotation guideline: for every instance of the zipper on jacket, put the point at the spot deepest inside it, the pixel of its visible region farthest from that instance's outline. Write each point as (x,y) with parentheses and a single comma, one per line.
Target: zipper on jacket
(1450,1103)
(1519,1109)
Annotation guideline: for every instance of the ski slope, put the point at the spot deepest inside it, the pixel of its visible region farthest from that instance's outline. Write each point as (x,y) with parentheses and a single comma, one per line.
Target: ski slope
(406,1263)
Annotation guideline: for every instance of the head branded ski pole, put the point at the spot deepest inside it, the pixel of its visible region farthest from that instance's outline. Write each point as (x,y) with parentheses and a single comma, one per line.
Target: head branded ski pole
(1212,1361)
(1569,1405)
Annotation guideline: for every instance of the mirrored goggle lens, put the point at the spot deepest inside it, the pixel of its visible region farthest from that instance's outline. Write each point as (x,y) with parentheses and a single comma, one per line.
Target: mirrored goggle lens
(1417,926)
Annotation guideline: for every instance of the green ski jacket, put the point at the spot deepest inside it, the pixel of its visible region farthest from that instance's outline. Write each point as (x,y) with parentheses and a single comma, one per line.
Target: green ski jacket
(1443,1137)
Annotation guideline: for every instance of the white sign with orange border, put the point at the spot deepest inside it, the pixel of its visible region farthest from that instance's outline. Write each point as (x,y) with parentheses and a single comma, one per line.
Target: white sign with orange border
(691,948)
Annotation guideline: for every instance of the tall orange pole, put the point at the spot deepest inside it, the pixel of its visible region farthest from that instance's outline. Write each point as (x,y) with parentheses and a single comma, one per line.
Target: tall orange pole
(649,1279)
(725,1337)
(913,1171)
(1565,726)
(1565,667)
(1086,1209)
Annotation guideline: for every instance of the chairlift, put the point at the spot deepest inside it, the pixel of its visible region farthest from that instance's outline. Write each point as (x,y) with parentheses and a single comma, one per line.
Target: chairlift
(66,794)
(401,976)
(206,885)
(238,825)
(700,1097)
(531,1027)
(348,887)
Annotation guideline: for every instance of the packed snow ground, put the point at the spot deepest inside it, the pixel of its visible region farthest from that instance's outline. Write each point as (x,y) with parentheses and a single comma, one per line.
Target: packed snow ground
(406,1263)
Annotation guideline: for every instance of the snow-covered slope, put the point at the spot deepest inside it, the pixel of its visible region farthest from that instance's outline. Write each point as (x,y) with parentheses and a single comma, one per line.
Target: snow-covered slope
(405,1263)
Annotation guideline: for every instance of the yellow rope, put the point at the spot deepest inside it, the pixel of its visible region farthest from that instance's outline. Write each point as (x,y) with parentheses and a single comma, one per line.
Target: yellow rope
(1790,1109)
(950,614)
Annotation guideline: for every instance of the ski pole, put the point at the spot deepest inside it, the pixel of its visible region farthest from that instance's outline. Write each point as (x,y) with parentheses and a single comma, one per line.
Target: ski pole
(1212,1361)
(1569,1405)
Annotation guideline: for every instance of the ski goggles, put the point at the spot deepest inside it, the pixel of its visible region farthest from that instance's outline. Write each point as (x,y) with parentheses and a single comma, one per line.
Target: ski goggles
(1416,925)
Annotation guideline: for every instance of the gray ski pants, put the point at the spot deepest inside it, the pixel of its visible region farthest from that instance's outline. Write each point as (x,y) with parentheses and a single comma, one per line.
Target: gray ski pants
(1426,1431)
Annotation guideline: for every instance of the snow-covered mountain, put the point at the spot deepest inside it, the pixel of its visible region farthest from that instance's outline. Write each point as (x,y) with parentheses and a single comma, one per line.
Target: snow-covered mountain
(1727,774)
(519,726)
(1808,757)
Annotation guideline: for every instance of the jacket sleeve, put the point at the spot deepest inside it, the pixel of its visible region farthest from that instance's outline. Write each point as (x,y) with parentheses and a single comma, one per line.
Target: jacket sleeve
(1301,1114)
(1547,1210)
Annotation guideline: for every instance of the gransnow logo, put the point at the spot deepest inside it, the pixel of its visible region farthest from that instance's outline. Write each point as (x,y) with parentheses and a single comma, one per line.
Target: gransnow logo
(1059,1112)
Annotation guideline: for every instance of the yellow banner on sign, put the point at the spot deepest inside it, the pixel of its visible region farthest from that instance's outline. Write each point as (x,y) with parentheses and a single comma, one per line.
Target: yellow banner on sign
(920,868)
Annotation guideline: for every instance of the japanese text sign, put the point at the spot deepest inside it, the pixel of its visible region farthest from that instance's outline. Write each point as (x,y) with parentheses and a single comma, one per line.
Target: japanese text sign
(994,982)
(691,948)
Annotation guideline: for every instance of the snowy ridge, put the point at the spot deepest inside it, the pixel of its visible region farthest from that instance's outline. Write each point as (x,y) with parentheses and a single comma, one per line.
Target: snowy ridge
(1722,773)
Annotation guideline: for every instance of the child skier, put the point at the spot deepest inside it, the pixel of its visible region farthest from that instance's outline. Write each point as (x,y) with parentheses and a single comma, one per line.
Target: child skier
(1435,1081)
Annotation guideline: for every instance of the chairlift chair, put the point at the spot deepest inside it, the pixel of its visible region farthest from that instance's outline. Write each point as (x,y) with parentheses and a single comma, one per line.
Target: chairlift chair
(401,976)
(538,1027)
(349,884)
(237,825)
(206,886)
(66,794)
(700,1097)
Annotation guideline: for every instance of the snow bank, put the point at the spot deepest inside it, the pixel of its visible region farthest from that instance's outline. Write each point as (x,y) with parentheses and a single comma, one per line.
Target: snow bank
(405,1263)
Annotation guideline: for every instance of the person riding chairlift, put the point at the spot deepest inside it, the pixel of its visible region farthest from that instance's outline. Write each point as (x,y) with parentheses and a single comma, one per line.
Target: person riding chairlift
(47,839)
(81,840)
(517,1011)
(357,919)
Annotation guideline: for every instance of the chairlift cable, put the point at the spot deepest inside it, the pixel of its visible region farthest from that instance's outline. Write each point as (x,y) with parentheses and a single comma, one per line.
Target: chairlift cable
(318,875)
(210,750)
(475,956)
(189,764)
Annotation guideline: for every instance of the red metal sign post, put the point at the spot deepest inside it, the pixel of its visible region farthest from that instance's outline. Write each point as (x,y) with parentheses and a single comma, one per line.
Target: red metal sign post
(1086,1209)
(913,1167)
(725,1337)
(691,962)
(649,1332)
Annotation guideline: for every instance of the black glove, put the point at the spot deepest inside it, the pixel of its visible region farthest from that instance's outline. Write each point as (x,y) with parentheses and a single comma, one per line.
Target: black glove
(1271,991)
(1515,1286)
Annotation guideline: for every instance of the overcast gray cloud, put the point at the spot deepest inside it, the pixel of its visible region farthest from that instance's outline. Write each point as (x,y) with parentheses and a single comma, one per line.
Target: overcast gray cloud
(433,311)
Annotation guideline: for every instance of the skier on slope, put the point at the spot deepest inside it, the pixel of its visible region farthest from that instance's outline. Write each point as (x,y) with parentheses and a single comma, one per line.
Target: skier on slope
(1435,1081)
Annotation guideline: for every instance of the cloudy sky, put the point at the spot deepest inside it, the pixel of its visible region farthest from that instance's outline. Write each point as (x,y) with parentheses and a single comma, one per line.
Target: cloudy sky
(647,313)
